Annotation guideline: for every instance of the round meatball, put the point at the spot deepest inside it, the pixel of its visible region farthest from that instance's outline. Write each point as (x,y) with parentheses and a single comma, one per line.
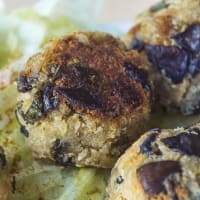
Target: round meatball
(5,181)
(168,36)
(83,99)
(161,165)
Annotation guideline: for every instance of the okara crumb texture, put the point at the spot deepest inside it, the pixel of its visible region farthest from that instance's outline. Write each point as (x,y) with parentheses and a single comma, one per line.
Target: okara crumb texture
(83,100)
(161,165)
(168,36)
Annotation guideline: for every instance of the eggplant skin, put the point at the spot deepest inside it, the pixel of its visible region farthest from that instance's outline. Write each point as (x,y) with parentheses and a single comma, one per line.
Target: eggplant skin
(159,165)
(168,37)
(87,97)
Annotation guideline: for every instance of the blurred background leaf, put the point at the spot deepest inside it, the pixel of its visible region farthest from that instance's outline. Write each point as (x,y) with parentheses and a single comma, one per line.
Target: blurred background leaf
(25,30)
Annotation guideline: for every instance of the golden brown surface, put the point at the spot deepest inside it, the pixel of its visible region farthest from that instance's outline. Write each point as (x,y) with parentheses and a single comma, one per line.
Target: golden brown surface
(168,37)
(109,79)
(86,96)
(161,165)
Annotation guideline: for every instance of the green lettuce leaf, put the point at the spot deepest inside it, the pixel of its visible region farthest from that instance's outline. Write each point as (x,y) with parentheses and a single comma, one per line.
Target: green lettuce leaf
(41,180)
(24,31)
(49,182)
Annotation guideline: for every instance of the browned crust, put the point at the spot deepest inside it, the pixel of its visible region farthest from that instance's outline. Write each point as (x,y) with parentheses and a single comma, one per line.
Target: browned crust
(91,76)
(131,162)
(161,26)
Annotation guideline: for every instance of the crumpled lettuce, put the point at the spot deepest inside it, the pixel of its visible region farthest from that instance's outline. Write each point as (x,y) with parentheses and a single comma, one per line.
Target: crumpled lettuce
(17,152)
(49,182)
(24,31)
(40,180)
(9,42)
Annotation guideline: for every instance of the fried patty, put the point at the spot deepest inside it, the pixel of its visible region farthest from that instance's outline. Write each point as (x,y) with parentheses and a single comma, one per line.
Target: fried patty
(83,99)
(161,165)
(168,36)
